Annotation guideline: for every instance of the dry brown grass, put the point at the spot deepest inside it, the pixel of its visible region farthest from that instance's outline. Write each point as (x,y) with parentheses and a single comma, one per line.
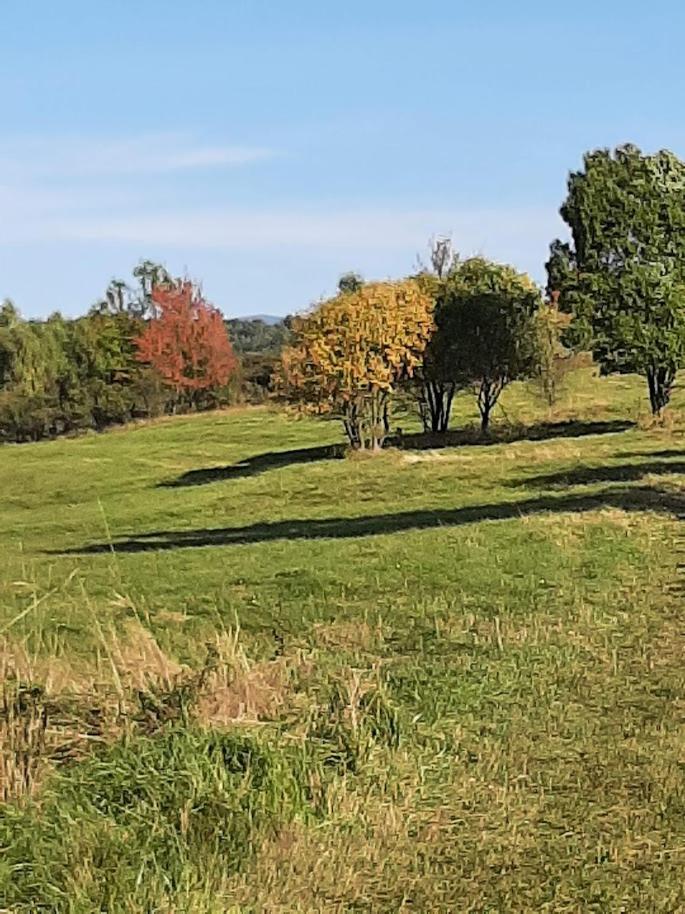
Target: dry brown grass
(23,726)
(50,710)
(348,634)
(138,662)
(237,690)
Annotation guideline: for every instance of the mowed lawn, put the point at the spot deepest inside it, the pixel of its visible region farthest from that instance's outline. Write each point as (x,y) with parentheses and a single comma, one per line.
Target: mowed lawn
(519,603)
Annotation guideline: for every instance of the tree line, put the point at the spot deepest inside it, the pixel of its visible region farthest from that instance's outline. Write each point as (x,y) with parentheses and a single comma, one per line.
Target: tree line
(151,347)
(465,324)
(615,289)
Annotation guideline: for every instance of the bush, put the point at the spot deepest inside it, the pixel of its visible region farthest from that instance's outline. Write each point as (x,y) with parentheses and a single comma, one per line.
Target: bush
(25,417)
(257,374)
(553,358)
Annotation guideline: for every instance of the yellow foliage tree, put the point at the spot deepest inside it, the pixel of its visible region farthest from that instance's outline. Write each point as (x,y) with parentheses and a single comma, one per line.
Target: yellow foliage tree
(349,353)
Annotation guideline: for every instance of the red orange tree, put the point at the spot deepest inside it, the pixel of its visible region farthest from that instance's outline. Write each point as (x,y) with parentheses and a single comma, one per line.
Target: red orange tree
(186,341)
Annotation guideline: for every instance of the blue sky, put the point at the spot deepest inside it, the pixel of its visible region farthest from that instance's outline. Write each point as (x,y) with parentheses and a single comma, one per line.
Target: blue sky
(264,147)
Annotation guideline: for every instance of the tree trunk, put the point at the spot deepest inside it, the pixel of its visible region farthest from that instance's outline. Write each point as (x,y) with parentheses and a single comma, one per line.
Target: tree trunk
(488,394)
(353,433)
(435,405)
(660,382)
(352,426)
(367,421)
(485,419)
(447,397)
(379,419)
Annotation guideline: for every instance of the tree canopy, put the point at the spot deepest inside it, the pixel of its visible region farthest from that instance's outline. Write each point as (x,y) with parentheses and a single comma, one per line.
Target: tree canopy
(623,276)
(186,340)
(350,352)
(486,329)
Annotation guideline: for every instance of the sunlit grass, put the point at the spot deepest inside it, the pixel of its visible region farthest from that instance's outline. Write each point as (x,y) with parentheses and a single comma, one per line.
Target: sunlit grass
(464,664)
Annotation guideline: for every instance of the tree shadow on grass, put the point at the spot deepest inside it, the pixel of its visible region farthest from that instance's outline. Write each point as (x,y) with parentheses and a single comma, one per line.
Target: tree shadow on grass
(639,498)
(273,460)
(587,476)
(510,433)
(253,466)
(656,455)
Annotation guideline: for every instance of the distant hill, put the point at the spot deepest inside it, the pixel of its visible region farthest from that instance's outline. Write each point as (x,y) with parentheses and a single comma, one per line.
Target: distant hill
(260,333)
(269,319)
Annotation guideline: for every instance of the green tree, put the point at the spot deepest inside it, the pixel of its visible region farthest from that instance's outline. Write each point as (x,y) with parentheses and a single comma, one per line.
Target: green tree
(256,336)
(9,314)
(134,301)
(435,384)
(9,318)
(101,367)
(486,328)
(623,276)
(350,282)
(149,275)
(31,358)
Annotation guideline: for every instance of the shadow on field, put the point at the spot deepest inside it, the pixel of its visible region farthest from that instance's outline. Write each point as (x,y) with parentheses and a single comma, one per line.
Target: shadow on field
(501,434)
(253,466)
(587,476)
(273,460)
(639,498)
(657,455)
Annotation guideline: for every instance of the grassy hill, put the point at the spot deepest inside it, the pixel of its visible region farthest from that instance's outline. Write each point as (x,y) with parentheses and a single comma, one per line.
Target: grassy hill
(247,674)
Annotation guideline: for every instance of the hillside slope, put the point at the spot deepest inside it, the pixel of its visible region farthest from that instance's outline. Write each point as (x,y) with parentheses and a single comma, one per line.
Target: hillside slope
(476,650)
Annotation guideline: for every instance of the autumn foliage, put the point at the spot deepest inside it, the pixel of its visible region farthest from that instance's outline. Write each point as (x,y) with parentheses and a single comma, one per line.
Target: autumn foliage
(186,340)
(350,352)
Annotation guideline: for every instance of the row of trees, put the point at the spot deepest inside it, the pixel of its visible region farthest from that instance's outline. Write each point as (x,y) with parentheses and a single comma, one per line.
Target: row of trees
(464,324)
(616,289)
(143,350)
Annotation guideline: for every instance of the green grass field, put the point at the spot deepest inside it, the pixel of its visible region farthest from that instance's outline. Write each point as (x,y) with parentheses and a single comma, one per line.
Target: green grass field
(438,679)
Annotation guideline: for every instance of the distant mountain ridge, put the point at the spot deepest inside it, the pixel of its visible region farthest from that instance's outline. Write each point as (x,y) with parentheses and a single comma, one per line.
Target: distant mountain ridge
(269,319)
(258,333)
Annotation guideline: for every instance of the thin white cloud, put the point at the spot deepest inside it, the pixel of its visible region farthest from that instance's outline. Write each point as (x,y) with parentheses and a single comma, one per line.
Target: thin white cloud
(122,213)
(75,157)
(514,234)
(377,228)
